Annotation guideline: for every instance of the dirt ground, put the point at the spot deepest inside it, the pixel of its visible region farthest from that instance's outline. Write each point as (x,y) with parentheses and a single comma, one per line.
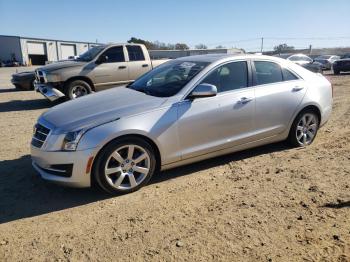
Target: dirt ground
(273,203)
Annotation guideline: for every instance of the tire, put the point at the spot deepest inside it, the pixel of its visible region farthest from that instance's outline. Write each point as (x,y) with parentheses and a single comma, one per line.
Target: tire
(336,72)
(304,129)
(77,88)
(115,169)
(32,85)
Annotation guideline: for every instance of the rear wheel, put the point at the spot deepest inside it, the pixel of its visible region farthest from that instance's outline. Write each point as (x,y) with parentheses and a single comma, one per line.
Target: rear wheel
(336,72)
(76,89)
(304,129)
(125,165)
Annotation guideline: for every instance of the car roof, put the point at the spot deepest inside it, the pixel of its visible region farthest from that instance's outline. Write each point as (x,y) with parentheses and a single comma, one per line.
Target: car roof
(211,58)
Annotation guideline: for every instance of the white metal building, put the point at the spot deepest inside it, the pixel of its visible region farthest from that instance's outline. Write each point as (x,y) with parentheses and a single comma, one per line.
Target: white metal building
(158,54)
(39,51)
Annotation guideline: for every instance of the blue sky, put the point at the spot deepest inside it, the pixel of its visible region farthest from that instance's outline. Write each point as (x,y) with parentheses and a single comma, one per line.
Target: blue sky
(224,22)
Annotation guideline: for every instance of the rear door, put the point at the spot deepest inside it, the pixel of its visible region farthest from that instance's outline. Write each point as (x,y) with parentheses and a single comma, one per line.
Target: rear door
(222,121)
(138,62)
(112,72)
(278,93)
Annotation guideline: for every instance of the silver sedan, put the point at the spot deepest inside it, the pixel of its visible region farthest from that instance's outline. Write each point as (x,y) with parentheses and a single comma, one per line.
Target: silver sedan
(185,110)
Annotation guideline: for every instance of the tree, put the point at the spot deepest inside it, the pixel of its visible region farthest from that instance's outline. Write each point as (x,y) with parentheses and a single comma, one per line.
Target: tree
(283,48)
(157,45)
(148,44)
(201,46)
(220,47)
(181,46)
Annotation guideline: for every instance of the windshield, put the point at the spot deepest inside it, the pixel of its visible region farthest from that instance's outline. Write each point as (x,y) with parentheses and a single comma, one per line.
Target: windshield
(300,58)
(169,78)
(91,53)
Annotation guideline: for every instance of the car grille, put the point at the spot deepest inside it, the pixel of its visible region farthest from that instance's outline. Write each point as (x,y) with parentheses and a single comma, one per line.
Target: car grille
(40,77)
(40,134)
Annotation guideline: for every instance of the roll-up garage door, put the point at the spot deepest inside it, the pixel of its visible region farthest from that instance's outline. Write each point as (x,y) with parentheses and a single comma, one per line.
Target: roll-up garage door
(37,53)
(36,48)
(67,51)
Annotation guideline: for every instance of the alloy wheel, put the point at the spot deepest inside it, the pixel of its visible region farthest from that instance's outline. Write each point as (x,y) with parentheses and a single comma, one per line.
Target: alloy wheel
(78,91)
(306,129)
(127,167)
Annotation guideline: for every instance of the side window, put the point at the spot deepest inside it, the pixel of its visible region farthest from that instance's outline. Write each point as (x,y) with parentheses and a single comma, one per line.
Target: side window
(267,72)
(288,75)
(115,54)
(135,53)
(229,77)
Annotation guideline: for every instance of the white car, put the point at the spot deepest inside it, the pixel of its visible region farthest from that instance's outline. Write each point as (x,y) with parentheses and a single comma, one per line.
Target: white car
(185,110)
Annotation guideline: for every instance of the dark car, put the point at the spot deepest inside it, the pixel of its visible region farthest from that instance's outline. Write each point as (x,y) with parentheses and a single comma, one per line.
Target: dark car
(342,65)
(304,61)
(23,80)
(327,61)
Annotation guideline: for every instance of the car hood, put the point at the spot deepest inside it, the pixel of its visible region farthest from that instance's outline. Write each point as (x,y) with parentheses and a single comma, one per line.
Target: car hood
(61,65)
(24,74)
(99,108)
(301,62)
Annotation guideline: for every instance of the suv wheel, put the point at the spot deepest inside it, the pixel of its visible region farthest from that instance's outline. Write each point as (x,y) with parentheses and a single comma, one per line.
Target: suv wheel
(77,88)
(304,129)
(125,165)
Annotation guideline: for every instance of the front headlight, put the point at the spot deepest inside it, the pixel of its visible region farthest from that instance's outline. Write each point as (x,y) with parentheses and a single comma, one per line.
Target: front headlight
(52,78)
(71,140)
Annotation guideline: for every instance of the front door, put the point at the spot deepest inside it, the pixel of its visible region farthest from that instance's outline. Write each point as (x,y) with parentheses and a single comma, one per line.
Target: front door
(113,71)
(225,120)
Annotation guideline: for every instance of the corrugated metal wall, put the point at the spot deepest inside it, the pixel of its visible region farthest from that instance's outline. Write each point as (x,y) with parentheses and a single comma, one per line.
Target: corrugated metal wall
(18,47)
(10,45)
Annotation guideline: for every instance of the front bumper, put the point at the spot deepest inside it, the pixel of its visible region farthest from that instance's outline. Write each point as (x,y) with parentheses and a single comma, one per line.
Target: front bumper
(48,164)
(48,91)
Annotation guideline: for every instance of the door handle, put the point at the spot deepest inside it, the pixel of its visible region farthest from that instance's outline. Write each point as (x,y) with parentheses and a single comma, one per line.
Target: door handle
(122,67)
(297,88)
(144,65)
(245,100)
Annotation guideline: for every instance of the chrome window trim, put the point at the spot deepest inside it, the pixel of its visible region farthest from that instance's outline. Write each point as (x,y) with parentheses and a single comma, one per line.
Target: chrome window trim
(185,97)
(281,65)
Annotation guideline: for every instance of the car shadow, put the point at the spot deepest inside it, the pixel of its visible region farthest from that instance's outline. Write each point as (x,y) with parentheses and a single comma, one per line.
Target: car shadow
(24,194)
(218,161)
(338,205)
(9,90)
(23,105)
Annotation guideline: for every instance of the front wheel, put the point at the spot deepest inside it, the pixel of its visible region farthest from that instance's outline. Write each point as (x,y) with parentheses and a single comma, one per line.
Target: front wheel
(125,165)
(304,129)
(76,89)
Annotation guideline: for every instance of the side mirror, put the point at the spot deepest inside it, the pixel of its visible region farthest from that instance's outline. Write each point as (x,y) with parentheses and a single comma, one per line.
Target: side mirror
(203,90)
(102,59)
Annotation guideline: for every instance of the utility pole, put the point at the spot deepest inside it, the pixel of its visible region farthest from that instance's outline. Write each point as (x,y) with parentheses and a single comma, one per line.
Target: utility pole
(262,45)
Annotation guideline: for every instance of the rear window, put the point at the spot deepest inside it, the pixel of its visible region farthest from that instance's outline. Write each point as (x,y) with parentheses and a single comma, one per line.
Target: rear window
(267,72)
(135,53)
(288,75)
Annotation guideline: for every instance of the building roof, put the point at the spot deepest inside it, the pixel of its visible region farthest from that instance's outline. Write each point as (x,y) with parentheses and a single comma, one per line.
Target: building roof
(46,39)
